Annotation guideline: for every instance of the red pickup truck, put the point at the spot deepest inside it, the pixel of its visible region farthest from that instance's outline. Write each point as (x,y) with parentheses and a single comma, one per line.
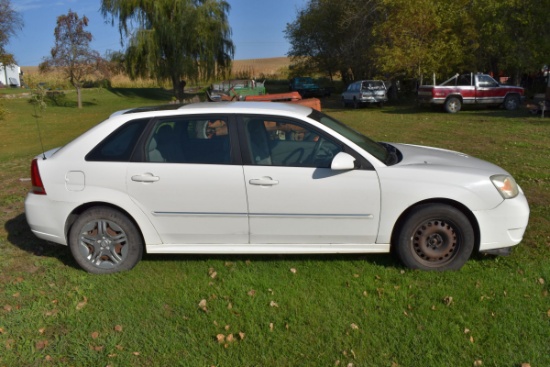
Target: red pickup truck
(479,89)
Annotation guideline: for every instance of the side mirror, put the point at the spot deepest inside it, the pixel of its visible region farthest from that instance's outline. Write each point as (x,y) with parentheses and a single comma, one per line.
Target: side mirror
(342,162)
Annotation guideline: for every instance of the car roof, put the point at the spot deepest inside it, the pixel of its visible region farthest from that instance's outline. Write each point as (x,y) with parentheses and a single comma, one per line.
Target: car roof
(223,107)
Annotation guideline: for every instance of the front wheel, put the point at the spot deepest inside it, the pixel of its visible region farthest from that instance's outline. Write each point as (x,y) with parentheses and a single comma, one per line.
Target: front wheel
(453,105)
(435,237)
(511,103)
(103,240)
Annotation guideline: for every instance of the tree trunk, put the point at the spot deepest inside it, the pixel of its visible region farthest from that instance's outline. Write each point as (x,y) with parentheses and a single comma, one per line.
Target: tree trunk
(79,96)
(178,87)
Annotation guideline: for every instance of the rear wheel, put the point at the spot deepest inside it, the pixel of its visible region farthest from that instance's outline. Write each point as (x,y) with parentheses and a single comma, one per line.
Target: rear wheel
(103,240)
(453,105)
(435,237)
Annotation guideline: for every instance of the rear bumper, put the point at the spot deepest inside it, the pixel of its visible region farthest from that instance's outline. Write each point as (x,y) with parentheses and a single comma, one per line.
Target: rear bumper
(46,219)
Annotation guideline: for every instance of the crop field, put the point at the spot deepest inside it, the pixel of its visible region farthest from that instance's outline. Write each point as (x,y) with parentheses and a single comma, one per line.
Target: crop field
(333,310)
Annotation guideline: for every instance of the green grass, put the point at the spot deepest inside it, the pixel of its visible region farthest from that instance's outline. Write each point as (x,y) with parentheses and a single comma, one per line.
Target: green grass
(366,310)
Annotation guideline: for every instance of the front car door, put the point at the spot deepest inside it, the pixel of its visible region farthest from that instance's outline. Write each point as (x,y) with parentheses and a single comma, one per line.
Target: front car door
(293,195)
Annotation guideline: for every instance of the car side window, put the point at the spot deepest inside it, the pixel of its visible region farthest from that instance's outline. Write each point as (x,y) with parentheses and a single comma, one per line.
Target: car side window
(279,142)
(119,145)
(189,140)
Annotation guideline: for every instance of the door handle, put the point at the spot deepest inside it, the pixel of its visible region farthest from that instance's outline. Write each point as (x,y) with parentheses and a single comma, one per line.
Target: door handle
(146,177)
(264,181)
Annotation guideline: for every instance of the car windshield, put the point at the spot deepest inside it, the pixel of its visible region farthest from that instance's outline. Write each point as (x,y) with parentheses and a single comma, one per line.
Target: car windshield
(377,150)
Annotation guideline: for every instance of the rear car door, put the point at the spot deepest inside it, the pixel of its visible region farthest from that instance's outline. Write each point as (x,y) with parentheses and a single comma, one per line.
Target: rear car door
(187,178)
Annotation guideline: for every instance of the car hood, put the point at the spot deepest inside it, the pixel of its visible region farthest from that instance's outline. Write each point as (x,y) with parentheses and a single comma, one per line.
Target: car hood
(421,155)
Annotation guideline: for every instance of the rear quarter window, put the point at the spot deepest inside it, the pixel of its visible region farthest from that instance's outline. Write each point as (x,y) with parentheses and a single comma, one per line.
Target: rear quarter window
(120,144)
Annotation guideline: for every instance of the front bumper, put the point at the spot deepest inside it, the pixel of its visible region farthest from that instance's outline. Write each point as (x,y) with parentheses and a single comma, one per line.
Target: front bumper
(503,226)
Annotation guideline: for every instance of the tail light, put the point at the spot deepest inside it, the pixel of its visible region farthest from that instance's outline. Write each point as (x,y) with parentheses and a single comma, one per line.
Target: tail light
(37,185)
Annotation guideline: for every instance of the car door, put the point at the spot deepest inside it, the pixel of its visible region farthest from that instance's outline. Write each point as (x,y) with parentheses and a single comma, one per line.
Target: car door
(189,182)
(293,195)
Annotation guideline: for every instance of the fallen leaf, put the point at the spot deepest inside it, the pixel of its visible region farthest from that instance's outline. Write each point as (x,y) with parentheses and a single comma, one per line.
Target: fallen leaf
(251,292)
(7,308)
(41,344)
(350,365)
(99,348)
(135,353)
(356,275)
(112,355)
(213,275)
(541,281)
(2,330)
(95,335)
(478,363)
(293,271)
(526,365)
(220,338)
(119,347)
(273,304)
(227,327)
(230,338)
(48,358)
(466,331)
(9,343)
(365,293)
(81,305)
(354,326)
(16,295)
(433,308)
(118,328)
(448,300)
(241,335)
(471,339)
(271,326)
(202,305)
(41,330)
(548,313)
(229,306)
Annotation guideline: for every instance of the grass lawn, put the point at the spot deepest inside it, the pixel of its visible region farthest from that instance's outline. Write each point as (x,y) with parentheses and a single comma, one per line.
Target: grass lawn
(350,310)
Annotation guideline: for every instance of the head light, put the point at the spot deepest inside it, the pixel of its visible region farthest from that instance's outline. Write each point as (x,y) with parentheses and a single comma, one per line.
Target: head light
(506,186)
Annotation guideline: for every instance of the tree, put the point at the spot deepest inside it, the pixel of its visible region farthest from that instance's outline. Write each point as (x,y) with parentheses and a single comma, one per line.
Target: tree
(71,53)
(174,39)
(10,23)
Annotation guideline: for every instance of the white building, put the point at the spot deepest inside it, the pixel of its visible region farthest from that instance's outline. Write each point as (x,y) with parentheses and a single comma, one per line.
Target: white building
(9,75)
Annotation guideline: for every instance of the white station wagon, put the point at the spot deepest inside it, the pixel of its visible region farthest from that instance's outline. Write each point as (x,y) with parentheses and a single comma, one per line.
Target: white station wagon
(265,178)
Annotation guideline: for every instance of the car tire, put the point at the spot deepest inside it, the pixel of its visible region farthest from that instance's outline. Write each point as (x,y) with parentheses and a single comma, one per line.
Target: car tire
(511,103)
(453,105)
(355,103)
(435,237)
(103,241)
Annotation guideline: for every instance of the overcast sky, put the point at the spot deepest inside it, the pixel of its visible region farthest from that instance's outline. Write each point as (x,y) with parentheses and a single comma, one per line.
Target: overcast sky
(257,27)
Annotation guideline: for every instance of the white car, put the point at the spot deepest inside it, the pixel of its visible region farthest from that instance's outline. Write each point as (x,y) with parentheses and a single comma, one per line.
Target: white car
(265,178)
(365,92)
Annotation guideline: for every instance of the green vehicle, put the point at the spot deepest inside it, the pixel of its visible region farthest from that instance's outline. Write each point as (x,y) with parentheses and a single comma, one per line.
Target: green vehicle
(235,90)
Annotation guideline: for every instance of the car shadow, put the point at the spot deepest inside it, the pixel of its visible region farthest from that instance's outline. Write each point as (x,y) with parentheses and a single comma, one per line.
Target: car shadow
(21,236)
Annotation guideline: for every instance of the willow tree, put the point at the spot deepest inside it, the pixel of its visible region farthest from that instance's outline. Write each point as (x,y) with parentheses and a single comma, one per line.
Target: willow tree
(174,39)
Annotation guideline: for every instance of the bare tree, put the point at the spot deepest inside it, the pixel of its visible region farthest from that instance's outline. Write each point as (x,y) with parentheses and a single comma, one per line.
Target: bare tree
(10,23)
(72,53)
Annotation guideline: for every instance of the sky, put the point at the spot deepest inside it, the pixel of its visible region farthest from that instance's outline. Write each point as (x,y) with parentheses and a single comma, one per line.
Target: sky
(257,27)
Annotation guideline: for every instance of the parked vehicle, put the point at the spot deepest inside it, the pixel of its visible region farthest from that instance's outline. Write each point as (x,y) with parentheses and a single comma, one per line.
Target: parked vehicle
(307,87)
(265,178)
(231,90)
(480,89)
(364,92)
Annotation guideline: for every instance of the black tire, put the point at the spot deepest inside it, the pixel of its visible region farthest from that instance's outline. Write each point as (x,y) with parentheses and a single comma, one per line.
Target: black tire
(453,105)
(435,237)
(511,103)
(104,241)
